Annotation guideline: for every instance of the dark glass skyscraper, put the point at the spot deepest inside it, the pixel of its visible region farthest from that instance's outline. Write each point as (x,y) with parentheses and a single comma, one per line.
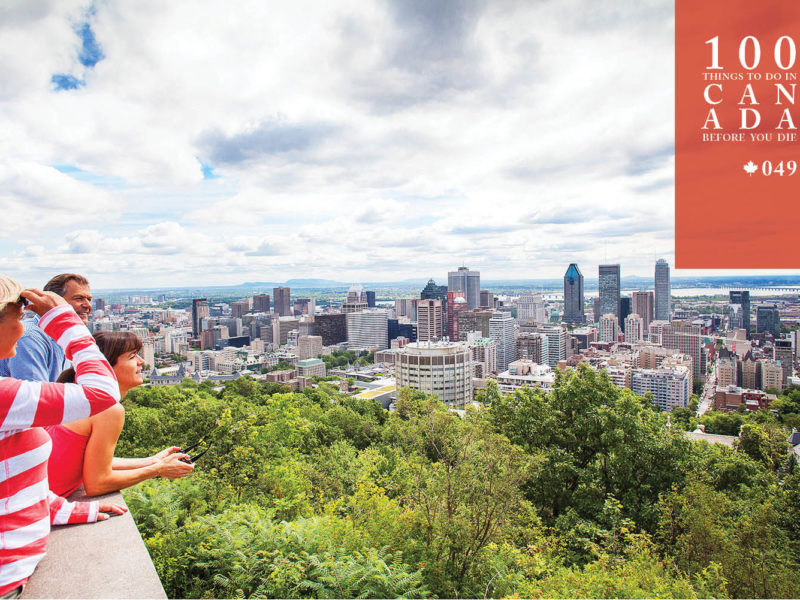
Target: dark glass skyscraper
(199,312)
(609,285)
(573,295)
(742,298)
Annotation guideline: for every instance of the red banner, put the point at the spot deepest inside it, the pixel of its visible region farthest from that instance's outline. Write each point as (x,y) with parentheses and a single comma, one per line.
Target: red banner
(737,165)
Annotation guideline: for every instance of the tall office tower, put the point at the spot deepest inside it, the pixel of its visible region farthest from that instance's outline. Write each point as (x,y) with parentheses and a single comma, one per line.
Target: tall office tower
(402,307)
(431,291)
(280,296)
(624,310)
(609,285)
(199,312)
(368,329)
(240,308)
(642,304)
(663,305)
(556,341)
(609,330)
(782,351)
(441,368)
(99,304)
(573,296)
(467,281)
(742,297)
(487,299)
(532,346)
(331,327)
(429,320)
(370,299)
(634,329)
(474,320)
(768,319)
(530,307)
(685,337)
(501,330)
(456,303)
(261,303)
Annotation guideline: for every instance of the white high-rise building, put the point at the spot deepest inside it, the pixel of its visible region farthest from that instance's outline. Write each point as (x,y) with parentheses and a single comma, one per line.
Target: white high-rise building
(368,329)
(609,329)
(501,330)
(634,328)
(530,307)
(671,387)
(440,368)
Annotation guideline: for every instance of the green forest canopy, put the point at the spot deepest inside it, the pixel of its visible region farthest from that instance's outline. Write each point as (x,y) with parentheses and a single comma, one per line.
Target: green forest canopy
(582,492)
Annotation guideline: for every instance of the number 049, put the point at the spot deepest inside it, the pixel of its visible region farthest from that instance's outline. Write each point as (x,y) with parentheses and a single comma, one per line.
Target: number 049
(787,168)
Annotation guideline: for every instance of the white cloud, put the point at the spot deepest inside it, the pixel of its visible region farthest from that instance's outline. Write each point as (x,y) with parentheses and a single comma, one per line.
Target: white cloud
(344,136)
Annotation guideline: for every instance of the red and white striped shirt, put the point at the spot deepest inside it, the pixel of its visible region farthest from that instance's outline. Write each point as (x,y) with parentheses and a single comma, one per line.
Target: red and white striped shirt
(27,507)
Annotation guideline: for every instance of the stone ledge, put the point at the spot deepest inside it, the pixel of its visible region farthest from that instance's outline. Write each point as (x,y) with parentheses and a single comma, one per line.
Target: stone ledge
(96,560)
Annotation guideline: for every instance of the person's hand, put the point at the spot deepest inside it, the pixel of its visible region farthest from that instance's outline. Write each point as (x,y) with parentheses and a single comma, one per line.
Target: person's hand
(172,467)
(41,302)
(107,509)
(164,453)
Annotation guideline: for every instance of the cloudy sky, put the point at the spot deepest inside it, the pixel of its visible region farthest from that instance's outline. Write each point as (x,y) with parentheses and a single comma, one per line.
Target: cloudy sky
(156,143)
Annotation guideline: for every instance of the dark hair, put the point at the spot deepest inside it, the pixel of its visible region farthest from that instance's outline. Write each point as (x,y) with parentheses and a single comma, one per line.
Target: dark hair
(112,344)
(58,284)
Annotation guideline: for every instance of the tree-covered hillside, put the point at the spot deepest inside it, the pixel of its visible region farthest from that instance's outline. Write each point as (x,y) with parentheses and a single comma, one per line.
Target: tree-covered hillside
(584,492)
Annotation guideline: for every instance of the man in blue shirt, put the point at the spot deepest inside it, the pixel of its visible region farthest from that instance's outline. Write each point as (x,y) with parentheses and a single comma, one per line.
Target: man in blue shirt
(38,357)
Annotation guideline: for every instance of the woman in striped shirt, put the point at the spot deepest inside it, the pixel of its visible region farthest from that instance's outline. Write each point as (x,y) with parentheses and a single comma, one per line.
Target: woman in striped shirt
(27,508)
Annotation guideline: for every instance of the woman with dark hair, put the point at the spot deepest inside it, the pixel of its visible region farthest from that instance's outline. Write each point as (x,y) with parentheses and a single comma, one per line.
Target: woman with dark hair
(83,451)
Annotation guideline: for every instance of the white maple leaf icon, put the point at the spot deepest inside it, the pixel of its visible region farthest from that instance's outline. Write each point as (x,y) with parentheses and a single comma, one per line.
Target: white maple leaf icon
(751,167)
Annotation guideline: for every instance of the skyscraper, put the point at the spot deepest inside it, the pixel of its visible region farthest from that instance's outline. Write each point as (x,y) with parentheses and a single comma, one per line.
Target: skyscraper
(609,285)
(501,330)
(199,312)
(573,295)
(768,319)
(643,304)
(368,329)
(261,303)
(429,320)
(282,305)
(431,291)
(467,281)
(456,303)
(370,299)
(624,310)
(742,298)
(487,299)
(663,303)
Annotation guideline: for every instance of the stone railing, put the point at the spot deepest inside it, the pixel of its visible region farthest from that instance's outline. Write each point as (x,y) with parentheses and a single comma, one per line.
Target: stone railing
(97,560)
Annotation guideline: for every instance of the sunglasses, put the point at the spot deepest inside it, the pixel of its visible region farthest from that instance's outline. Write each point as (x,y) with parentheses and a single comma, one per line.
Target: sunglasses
(22,301)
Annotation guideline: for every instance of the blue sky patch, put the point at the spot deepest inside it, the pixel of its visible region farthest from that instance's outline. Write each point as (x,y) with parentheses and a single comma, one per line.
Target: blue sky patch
(66,82)
(90,53)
